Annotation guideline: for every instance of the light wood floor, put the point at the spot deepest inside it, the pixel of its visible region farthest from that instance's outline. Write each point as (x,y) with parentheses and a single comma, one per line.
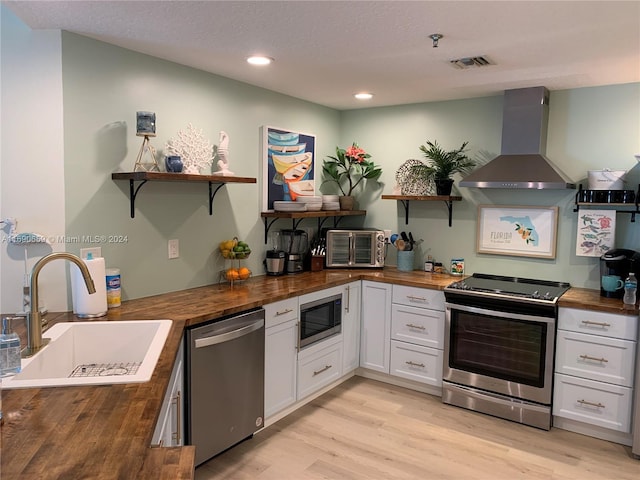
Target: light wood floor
(364,429)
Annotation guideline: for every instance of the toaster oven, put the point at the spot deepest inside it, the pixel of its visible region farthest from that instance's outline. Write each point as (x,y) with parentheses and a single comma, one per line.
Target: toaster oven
(355,248)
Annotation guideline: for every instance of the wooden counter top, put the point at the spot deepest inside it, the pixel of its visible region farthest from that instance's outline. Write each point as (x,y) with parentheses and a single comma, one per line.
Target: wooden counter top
(104,432)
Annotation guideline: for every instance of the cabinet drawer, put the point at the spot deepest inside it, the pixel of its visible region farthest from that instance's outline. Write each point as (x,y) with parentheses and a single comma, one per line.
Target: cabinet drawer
(417,325)
(597,403)
(418,297)
(318,370)
(280,312)
(594,357)
(598,323)
(421,364)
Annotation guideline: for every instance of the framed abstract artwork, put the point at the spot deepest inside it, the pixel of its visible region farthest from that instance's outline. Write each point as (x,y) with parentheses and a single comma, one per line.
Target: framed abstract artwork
(288,165)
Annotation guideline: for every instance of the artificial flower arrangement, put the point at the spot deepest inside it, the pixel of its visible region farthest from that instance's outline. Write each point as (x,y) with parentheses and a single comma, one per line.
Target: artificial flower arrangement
(349,167)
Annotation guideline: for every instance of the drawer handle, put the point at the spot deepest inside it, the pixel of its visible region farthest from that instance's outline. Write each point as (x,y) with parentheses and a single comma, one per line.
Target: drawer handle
(413,364)
(587,357)
(327,367)
(599,324)
(590,404)
(418,327)
(416,299)
(284,312)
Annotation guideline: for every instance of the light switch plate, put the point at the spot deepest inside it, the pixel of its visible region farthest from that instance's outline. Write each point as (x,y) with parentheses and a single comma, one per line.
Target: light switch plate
(174,248)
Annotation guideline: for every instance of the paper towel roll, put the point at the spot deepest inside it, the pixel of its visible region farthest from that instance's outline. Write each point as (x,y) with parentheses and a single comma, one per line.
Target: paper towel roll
(85,305)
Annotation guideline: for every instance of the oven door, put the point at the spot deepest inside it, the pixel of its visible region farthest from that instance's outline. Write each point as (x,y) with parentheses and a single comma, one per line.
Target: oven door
(502,352)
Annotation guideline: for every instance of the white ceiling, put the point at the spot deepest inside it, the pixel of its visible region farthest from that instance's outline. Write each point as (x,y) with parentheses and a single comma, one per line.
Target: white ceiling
(325,51)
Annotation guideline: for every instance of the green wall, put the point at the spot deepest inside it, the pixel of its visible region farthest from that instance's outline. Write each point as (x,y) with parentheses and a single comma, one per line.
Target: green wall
(590,128)
(103,88)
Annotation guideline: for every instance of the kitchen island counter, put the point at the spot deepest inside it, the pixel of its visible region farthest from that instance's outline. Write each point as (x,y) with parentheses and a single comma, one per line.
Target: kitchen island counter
(104,432)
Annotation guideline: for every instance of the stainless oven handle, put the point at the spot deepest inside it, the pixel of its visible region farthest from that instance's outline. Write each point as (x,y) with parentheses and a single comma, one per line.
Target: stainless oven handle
(348,304)
(225,337)
(352,249)
(494,313)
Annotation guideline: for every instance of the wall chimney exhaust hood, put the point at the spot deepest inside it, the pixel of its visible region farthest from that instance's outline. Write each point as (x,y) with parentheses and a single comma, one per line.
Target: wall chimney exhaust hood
(522,162)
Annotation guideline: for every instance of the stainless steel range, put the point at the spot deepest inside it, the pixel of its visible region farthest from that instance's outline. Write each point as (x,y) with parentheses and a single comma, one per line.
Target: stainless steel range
(499,346)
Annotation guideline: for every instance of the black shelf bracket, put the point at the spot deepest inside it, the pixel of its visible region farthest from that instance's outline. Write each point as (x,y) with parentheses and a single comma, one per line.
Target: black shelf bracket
(133,193)
(212,194)
(405,203)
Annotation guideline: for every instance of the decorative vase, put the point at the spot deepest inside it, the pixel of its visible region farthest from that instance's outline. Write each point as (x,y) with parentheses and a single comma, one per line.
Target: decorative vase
(347,202)
(443,186)
(173,164)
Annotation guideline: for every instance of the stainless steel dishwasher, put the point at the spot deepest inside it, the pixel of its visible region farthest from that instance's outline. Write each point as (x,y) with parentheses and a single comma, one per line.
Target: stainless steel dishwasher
(224,383)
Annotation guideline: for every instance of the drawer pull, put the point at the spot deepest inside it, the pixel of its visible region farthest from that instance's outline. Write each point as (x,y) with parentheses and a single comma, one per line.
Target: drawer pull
(590,404)
(413,364)
(327,367)
(598,324)
(587,357)
(284,312)
(418,327)
(413,298)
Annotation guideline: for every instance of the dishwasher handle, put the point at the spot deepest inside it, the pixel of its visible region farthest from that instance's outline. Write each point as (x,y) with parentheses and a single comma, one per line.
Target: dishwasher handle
(225,337)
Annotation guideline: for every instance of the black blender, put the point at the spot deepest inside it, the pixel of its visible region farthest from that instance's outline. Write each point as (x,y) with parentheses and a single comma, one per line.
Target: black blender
(295,243)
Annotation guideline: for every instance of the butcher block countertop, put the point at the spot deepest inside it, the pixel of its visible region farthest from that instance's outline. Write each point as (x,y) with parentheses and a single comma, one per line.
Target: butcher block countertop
(104,432)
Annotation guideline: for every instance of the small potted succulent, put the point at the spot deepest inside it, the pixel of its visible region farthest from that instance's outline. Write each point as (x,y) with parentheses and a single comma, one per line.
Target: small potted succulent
(441,165)
(348,168)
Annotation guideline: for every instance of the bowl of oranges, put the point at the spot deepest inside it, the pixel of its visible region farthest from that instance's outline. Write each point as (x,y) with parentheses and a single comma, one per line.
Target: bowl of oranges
(234,274)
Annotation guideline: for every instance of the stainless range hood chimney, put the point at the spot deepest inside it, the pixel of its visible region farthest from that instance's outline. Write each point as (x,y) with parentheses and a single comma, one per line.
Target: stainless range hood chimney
(522,163)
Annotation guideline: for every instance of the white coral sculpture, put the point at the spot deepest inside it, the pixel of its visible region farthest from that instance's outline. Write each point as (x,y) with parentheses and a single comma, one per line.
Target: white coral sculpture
(195,151)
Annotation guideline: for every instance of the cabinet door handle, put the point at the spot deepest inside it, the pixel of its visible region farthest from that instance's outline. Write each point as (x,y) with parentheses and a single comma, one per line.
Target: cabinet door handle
(418,327)
(413,364)
(318,372)
(413,298)
(176,436)
(587,357)
(598,324)
(590,404)
(346,308)
(284,312)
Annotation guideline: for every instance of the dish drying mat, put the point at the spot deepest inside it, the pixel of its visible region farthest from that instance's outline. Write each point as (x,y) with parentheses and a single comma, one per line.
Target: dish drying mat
(105,369)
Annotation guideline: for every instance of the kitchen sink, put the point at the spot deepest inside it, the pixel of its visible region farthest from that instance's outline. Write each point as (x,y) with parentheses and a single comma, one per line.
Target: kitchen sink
(94,353)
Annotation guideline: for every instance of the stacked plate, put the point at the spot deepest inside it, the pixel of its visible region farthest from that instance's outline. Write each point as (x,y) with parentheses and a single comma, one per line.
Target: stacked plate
(284,206)
(313,202)
(330,202)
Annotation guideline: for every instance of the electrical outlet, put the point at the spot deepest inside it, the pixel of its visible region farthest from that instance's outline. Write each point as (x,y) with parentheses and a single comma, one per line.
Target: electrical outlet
(96,252)
(174,248)
(387,236)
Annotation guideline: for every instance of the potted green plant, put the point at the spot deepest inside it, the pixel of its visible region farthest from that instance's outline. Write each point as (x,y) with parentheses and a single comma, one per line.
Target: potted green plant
(348,168)
(441,165)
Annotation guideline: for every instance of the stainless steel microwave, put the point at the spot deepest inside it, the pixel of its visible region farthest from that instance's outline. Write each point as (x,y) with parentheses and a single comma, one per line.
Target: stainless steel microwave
(355,248)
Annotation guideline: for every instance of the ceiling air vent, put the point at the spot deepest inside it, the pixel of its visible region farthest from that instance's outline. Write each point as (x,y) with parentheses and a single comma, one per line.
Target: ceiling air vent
(469,62)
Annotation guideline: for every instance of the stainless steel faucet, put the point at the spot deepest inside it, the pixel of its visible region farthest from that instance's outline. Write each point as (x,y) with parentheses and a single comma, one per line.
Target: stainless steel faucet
(33,319)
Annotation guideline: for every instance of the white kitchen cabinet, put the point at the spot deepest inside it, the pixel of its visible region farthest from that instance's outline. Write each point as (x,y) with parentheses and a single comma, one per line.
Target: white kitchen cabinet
(280,363)
(417,332)
(375,334)
(169,430)
(351,326)
(318,367)
(595,356)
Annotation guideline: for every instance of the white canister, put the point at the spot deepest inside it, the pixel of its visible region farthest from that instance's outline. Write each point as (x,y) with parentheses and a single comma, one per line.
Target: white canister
(114,291)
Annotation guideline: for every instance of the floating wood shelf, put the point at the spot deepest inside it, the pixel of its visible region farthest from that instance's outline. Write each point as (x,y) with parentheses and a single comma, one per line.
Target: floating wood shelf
(143,177)
(297,217)
(405,199)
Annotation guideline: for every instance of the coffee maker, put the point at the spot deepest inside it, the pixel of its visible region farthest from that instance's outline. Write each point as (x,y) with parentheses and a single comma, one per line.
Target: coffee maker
(615,266)
(295,244)
(276,257)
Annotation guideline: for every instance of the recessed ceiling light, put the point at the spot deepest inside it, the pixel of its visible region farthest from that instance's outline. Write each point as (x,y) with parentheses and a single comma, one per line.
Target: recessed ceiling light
(364,96)
(259,60)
